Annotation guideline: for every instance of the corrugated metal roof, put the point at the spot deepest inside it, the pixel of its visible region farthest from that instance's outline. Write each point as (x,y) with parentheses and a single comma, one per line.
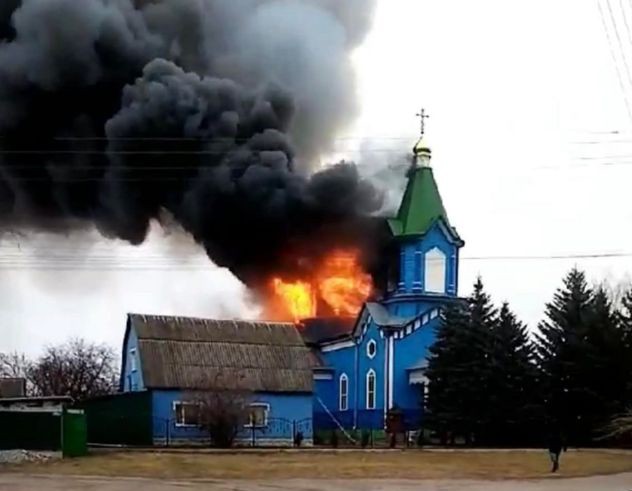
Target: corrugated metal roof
(191,353)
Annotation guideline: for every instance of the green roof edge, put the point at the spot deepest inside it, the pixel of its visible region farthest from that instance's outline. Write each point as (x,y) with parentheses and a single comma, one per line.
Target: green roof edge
(421,207)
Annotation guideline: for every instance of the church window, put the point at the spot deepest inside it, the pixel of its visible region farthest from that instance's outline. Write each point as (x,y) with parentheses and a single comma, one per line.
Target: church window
(370,389)
(371,349)
(344,392)
(435,271)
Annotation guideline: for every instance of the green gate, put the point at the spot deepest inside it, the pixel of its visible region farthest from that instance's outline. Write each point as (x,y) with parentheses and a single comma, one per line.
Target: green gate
(74,433)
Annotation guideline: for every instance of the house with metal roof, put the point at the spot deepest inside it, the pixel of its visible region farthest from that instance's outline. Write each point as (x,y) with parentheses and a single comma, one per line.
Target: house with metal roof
(174,358)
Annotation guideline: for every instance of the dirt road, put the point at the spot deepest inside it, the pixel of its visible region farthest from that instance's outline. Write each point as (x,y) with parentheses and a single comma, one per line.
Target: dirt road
(15,482)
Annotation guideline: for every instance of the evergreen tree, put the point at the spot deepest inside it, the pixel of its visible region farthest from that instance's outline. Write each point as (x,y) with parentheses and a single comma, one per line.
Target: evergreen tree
(607,370)
(513,411)
(625,320)
(448,387)
(458,368)
(482,319)
(581,355)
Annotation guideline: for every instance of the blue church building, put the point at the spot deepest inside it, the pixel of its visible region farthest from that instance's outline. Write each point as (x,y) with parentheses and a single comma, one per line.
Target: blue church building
(377,362)
(336,373)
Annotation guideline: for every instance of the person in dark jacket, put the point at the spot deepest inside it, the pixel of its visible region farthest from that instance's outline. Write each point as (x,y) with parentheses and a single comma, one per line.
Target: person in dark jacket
(556,445)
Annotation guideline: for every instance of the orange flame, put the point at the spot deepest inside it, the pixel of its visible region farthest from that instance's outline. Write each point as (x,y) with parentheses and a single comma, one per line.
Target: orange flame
(339,281)
(342,282)
(297,298)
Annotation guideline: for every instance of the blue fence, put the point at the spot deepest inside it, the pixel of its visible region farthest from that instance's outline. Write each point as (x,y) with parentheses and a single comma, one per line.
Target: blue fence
(412,419)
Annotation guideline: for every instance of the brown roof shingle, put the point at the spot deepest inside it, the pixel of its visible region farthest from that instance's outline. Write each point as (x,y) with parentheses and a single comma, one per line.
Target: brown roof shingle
(190,353)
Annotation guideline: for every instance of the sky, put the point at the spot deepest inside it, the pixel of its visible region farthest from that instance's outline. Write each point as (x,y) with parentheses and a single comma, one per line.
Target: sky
(532,151)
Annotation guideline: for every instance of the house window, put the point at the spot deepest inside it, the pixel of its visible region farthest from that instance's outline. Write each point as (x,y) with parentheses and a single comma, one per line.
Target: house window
(371,349)
(258,415)
(132,359)
(370,389)
(187,413)
(435,271)
(344,392)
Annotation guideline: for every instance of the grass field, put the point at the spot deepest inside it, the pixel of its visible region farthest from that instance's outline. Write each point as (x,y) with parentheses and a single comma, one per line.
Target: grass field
(410,464)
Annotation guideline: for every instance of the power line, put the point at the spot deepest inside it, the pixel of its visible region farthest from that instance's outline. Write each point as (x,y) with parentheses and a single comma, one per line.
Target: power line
(625,21)
(74,264)
(133,139)
(621,49)
(614,59)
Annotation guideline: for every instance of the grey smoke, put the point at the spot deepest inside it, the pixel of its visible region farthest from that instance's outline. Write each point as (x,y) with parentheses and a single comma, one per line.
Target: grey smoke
(115,111)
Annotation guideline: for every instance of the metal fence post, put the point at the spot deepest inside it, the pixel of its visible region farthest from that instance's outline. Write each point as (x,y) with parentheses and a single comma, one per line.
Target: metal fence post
(253,436)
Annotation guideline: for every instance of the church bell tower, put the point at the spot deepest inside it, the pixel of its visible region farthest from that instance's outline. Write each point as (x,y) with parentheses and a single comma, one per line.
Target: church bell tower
(425,246)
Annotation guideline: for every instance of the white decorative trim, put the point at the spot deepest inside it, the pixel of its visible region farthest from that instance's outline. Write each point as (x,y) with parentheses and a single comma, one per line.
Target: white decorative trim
(369,374)
(323,376)
(390,372)
(385,372)
(326,348)
(345,406)
(425,318)
(434,314)
(409,329)
(417,377)
(373,343)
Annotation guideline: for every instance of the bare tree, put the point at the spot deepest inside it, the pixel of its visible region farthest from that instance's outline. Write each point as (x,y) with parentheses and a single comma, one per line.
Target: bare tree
(78,369)
(13,365)
(221,410)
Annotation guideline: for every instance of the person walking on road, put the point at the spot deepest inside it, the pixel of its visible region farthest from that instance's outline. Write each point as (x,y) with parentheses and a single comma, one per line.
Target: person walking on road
(555,449)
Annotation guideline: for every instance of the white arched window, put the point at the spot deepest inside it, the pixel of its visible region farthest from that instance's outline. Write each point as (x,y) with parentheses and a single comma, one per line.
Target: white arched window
(343,401)
(370,389)
(435,271)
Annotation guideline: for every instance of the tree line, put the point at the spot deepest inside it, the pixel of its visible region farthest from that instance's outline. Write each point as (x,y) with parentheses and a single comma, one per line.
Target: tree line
(492,382)
(77,368)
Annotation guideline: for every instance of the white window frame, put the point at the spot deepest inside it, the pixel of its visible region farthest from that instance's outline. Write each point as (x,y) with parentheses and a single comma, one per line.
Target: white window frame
(435,264)
(371,404)
(266,413)
(343,397)
(373,343)
(175,411)
(132,357)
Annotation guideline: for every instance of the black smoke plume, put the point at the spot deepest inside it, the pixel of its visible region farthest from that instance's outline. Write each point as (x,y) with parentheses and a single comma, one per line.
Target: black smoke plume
(113,112)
